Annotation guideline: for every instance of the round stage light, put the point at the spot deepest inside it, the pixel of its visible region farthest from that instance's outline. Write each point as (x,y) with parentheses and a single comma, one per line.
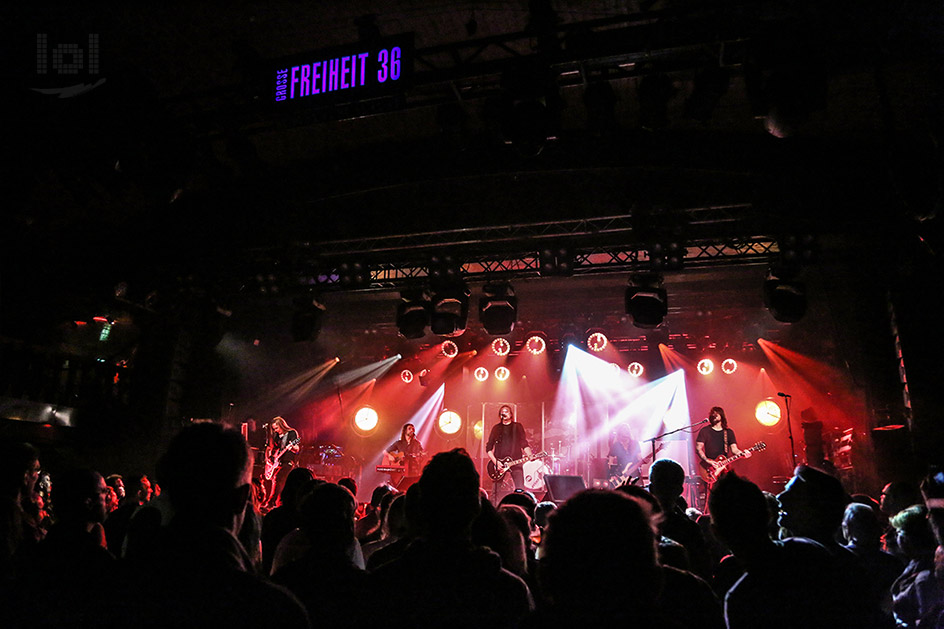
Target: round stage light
(450,349)
(501,347)
(767,413)
(597,342)
(366,419)
(449,422)
(481,374)
(502,373)
(407,376)
(705,366)
(729,366)
(636,369)
(536,344)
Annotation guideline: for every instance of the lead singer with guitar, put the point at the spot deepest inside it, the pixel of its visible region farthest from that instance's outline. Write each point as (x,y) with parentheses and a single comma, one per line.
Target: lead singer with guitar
(281,448)
(507,440)
(717,441)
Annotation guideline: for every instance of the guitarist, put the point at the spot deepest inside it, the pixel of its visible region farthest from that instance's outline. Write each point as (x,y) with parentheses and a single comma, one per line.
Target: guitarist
(716,440)
(406,451)
(281,450)
(623,455)
(507,440)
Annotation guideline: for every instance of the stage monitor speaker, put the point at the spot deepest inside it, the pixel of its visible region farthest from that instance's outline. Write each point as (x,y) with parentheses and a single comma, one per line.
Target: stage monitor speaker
(560,488)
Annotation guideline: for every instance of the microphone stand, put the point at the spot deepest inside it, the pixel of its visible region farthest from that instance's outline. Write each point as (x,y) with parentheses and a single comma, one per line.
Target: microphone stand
(652,442)
(786,403)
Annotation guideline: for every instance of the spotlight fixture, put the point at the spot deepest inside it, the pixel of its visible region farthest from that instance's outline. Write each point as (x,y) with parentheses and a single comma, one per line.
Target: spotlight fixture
(366,420)
(481,374)
(705,366)
(449,423)
(450,309)
(536,344)
(784,298)
(444,268)
(729,366)
(646,300)
(556,260)
(407,376)
(767,413)
(450,349)
(502,373)
(501,347)
(424,378)
(597,342)
(635,369)
(353,274)
(413,313)
(498,308)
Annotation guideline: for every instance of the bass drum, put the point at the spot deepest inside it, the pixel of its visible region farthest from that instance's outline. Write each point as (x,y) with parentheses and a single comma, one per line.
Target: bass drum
(534,472)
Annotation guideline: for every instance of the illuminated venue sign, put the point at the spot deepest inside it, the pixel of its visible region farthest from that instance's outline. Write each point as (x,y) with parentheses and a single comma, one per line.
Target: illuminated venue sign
(343,74)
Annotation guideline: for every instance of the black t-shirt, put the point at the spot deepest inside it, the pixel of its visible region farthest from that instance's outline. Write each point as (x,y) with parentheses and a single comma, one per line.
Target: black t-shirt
(279,442)
(714,441)
(507,440)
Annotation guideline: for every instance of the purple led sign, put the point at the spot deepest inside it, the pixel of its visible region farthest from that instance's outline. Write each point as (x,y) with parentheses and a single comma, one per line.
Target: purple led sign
(344,74)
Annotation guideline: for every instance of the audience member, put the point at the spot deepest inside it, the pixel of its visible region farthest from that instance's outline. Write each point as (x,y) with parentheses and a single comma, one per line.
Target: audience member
(281,520)
(790,583)
(443,579)
(862,530)
(202,576)
(325,578)
(916,592)
(667,482)
(599,566)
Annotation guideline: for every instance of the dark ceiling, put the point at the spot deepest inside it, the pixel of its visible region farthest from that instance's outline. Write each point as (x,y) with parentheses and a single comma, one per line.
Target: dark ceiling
(173,176)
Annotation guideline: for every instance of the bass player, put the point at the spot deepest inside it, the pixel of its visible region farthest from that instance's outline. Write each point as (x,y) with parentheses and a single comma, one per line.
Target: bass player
(281,449)
(507,441)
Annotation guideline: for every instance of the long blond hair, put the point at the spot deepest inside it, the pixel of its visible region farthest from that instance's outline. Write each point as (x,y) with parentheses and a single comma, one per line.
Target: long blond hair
(281,424)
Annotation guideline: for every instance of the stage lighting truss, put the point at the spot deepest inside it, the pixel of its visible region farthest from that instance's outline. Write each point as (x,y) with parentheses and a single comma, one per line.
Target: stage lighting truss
(480,374)
(502,374)
(729,366)
(706,366)
(597,341)
(536,344)
(366,420)
(449,423)
(450,349)
(407,376)
(501,347)
(636,369)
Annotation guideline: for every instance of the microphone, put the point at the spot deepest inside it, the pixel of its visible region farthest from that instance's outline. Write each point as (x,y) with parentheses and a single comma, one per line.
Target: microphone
(783,394)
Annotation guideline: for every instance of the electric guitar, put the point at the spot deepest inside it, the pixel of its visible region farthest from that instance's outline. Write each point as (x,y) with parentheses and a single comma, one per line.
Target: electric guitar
(272,462)
(497,472)
(710,473)
(631,468)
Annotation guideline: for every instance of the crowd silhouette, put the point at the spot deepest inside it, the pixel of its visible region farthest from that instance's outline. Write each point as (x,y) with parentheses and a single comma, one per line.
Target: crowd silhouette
(192,546)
